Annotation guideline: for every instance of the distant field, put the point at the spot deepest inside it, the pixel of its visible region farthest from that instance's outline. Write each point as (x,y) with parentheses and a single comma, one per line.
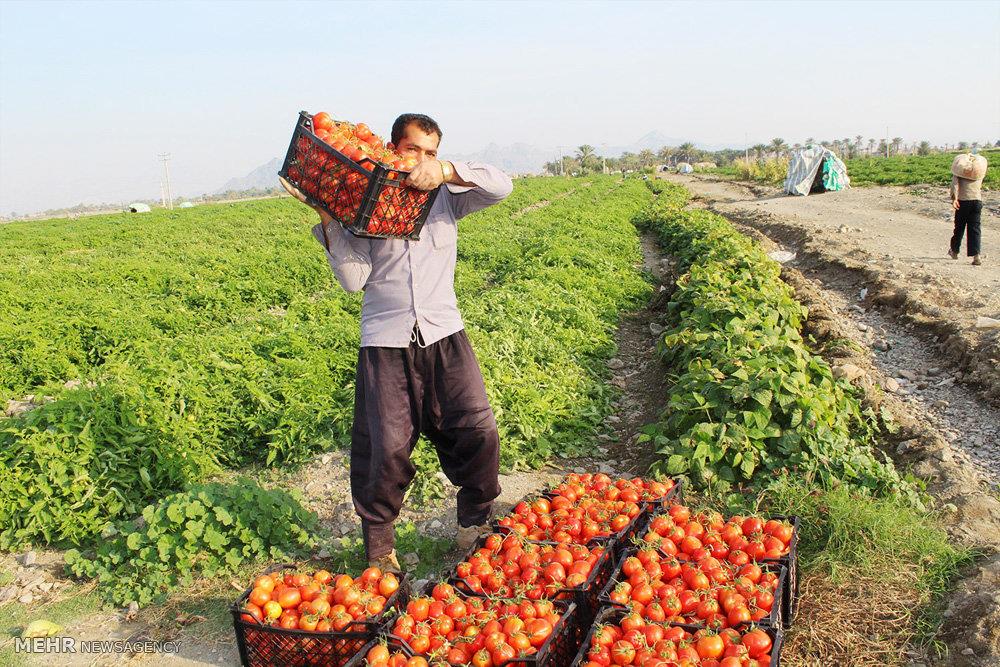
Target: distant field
(916,169)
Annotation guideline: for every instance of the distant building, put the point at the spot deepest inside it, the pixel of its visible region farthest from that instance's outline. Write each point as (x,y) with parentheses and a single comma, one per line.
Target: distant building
(139,207)
(186,204)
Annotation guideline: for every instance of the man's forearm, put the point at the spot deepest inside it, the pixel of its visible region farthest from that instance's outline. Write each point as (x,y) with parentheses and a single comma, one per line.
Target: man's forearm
(451,176)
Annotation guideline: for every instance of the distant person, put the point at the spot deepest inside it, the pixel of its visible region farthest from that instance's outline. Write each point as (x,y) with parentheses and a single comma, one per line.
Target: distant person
(968,171)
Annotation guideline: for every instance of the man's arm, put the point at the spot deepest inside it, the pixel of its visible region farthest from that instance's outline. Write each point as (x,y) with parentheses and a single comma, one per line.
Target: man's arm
(953,191)
(348,256)
(473,185)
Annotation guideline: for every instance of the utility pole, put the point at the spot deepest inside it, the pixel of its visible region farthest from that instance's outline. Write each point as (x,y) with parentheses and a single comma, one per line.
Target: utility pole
(746,144)
(168,201)
(887,141)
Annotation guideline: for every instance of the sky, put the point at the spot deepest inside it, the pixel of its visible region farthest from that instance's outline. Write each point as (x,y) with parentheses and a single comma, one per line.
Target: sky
(91,92)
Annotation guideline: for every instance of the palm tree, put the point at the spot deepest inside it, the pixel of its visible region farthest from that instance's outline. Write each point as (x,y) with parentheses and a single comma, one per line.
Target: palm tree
(924,148)
(760,150)
(810,140)
(871,146)
(857,143)
(647,157)
(685,150)
(778,146)
(583,152)
(897,142)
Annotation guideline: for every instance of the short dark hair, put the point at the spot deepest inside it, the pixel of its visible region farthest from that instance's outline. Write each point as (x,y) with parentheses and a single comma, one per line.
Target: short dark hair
(425,123)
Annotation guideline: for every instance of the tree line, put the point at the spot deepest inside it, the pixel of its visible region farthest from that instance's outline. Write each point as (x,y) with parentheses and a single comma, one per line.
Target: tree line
(586,159)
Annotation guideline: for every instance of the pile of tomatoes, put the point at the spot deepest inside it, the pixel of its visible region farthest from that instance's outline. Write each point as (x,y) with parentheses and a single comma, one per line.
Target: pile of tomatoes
(584,507)
(510,566)
(322,602)
(738,540)
(634,641)
(447,628)
(341,189)
(709,592)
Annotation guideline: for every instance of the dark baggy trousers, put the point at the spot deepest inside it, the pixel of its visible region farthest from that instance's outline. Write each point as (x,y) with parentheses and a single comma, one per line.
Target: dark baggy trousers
(436,390)
(968,215)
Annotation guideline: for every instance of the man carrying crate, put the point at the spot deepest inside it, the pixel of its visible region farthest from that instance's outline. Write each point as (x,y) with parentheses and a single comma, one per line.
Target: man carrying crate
(417,372)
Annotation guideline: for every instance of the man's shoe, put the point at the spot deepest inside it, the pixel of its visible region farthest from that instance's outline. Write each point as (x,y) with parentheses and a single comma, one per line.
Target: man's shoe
(953,254)
(467,535)
(976,261)
(387,563)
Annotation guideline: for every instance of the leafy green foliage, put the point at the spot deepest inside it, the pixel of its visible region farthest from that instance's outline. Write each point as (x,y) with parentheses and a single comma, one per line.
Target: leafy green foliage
(215,337)
(749,400)
(69,466)
(916,170)
(208,530)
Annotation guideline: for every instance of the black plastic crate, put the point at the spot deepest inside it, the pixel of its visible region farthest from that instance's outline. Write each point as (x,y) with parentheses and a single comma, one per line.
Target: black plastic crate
(773,620)
(557,651)
(790,599)
(367,198)
(260,644)
(613,616)
(585,595)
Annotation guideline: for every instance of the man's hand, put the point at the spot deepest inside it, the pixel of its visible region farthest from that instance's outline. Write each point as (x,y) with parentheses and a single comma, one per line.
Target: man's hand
(428,175)
(955,204)
(294,191)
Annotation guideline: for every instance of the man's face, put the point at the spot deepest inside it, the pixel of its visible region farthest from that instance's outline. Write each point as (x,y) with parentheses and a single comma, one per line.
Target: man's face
(418,145)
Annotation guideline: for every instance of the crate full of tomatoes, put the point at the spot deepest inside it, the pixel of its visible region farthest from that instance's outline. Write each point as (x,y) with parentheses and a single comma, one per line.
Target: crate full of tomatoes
(622,638)
(510,566)
(589,509)
(449,628)
(709,592)
(738,540)
(291,618)
(348,171)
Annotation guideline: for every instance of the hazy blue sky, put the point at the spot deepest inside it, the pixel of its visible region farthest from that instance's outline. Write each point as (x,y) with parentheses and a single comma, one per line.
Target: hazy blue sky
(91,92)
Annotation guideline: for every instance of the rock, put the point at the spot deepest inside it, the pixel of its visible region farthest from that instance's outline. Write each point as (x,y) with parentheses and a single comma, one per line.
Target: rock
(27,598)
(616,364)
(907,446)
(968,651)
(441,477)
(8,593)
(326,458)
(605,468)
(908,374)
(922,385)
(891,385)
(29,558)
(132,611)
(933,372)
(411,559)
(949,507)
(881,344)
(436,525)
(613,419)
(618,381)
(940,404)
(345,528)
(862,326)
(655,329)
(323,553)
(849,372)
(579,471)
(45,587)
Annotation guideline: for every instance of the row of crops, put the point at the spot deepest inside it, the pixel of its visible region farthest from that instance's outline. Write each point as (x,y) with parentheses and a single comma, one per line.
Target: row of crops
(215,338)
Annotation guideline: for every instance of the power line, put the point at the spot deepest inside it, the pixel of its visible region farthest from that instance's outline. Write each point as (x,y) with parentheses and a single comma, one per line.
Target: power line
(168,201)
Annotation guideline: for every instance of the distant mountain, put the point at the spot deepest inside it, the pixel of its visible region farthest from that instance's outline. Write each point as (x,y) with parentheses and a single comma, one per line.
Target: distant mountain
(263,177)
(517,158)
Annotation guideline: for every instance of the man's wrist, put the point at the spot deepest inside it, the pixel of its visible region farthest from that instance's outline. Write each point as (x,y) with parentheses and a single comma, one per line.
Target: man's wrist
(447,170)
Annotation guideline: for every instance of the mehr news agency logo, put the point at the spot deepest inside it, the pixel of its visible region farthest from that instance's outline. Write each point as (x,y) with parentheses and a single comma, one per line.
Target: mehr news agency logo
(62,644)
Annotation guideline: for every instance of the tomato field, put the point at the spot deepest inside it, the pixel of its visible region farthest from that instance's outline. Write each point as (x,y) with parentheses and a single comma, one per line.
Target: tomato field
(162,371)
